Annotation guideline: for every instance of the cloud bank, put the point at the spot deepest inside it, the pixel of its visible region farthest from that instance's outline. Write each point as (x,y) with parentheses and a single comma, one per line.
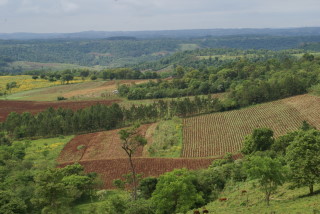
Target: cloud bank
(110,15)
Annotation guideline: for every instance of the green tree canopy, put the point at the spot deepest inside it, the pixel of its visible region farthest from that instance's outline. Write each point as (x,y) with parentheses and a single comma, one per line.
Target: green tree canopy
(303,157)
(269,172)
(261,139)
(175,192)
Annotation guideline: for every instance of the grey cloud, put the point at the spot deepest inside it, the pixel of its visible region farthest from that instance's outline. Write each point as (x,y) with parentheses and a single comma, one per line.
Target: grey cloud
(78,15)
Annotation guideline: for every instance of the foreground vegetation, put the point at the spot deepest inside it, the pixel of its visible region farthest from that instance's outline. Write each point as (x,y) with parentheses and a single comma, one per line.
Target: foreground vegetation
(273,161)
(285,200)
(279,175)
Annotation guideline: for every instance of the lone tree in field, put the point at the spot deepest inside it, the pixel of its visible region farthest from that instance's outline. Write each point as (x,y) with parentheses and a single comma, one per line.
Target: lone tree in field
(269,172)
(131,140)
(303,157)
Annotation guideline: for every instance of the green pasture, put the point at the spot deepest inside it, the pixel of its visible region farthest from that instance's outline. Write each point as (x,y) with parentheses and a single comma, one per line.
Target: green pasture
(284,201)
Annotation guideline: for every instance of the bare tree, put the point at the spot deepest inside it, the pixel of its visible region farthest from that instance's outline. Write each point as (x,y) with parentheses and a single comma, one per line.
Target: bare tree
(131,140)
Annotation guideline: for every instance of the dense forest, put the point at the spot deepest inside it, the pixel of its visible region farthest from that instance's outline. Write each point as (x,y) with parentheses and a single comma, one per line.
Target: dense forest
(122,52)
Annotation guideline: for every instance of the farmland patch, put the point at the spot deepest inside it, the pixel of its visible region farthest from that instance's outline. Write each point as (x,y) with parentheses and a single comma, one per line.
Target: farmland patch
(219,133)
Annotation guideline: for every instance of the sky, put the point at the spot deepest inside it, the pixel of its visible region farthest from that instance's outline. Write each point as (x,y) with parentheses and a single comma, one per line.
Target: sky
(66,16)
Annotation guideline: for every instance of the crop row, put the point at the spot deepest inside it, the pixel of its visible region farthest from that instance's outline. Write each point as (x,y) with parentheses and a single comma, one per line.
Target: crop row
(219,133)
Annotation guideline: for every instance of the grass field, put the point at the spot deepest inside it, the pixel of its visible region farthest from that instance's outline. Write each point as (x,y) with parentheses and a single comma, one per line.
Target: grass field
(82,90)
(227,57)
(26,83)
(44,152)
(188,47)
(219,133)
(284,201)
(31,66)
(166,139)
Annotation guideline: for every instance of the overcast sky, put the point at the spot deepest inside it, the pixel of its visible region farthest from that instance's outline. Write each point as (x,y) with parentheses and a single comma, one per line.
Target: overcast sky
(48,16)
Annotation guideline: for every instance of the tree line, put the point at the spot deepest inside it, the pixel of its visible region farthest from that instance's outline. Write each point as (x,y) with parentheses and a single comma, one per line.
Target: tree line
(248,81)
(53,122)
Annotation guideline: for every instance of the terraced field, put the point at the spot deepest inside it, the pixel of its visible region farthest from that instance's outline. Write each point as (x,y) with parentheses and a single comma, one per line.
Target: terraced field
(219,133)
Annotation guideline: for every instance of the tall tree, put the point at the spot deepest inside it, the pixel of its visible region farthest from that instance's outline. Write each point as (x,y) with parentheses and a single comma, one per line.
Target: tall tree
(303,157)
(131,140)
(175,192)
(269,172)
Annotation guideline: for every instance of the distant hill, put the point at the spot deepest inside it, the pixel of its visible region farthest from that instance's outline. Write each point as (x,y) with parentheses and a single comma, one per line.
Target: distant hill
(192,33)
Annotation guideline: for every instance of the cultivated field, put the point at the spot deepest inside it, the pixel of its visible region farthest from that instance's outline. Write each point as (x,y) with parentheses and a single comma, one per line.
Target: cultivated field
(101,152)
(110,169)
(219,133)
(84,90)
(99,145)
(33,107)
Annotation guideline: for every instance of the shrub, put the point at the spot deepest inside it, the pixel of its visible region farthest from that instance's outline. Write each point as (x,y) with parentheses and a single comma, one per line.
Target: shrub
(61,98)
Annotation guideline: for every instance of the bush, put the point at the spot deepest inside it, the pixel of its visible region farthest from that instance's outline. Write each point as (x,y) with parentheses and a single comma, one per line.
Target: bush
(81,147)
(61,98)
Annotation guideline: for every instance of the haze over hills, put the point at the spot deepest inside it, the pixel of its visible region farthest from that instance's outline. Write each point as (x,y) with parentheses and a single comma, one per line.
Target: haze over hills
(192,33)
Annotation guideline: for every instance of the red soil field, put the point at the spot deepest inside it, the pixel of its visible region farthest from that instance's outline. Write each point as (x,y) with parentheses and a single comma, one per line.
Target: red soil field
(110,169)
(98,145)
(101,152)
(34,107)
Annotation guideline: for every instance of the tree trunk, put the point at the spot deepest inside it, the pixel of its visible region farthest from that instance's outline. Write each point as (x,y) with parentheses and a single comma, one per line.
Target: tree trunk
(311,189)
(268,198)
(134,179)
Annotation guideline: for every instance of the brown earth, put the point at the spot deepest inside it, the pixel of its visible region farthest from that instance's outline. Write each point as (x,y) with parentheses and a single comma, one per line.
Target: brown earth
(98,145)
(35,107)
(110,169)
(101,152)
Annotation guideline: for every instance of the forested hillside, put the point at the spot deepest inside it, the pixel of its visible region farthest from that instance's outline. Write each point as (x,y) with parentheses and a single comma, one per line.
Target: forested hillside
(127,51)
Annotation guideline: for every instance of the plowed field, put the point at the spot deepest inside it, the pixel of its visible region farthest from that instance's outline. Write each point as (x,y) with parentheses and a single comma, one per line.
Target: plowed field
(98,145)
(100,152)
(34,107)
(110,169)
(219,133)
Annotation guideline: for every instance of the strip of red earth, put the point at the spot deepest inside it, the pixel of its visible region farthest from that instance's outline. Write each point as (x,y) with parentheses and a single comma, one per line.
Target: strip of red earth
(35,107)
(110,169)
(98,145)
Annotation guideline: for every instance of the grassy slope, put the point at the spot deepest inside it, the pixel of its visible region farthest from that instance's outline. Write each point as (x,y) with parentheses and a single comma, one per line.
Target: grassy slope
(25,83)
(92,207)
(284,201)
(27,66)
(51,93)
(83,90)
(44,152)
(167,139)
